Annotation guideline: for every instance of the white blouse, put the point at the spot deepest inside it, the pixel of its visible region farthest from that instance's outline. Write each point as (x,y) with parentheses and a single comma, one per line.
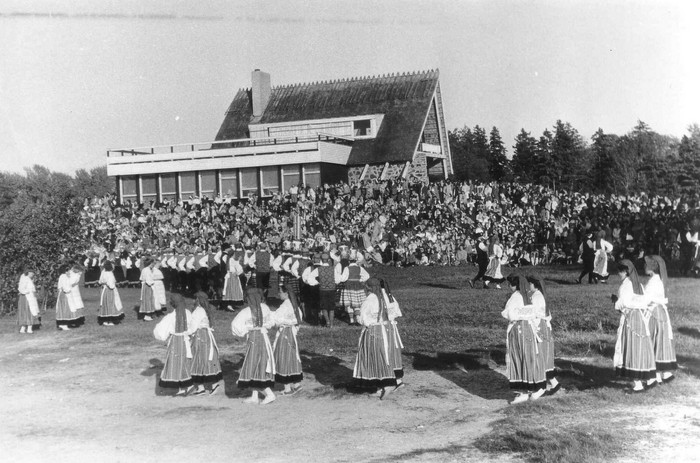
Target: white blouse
(243,322)
(166,326)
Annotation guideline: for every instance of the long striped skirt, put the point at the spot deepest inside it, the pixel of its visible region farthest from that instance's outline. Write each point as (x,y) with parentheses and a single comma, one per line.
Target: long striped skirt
(110,306)
(258,370)
(546,347)
(287,360)
(636,348)
(233,291)
(373,368)
(395,349)
(148,301)
(525,366)
(205,357)
(177,368)
(64,316)
(24,315)
(661,338)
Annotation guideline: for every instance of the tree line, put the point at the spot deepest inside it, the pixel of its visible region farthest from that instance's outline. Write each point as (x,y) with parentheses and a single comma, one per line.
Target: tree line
(641,160)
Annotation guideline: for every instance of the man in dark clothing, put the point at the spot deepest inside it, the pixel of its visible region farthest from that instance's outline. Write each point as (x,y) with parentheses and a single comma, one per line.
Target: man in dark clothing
(588,257)
(482,260)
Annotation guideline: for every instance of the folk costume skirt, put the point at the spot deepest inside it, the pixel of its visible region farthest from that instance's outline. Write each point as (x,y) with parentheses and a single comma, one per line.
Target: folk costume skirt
(373,368)
(493,271)
(525,364)
(205,357)
(258,370)
(24,314)
(178,362)
(546,347)
(287,360)
(233,291)
(395,349)
(634,350)
(64,316)
(148,301)
(353,295)
(662,339)
(110,306)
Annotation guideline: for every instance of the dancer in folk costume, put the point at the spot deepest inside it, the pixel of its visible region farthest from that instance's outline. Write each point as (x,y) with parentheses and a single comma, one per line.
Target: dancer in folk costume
(233,291)
(173,330)
(544,331)
(493,272)
(660,323)
(273,288)
(261,262)
(373,367)
(354,294)
(159,297)
(287,318)
(525,367)
(634,351)
(482,260)
(67,314)
(587,257)
(148,299)
(395,343)
(258,370)
(27,306)
(311,293)
(600,264)
(327,278)
(75,274)
(111,310)
(278,262)
(206,369)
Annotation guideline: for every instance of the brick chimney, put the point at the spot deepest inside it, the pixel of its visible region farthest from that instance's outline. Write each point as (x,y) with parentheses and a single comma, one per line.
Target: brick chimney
(261,91)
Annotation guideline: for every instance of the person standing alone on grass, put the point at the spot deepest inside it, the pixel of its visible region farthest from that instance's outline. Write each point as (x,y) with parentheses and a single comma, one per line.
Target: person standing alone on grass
(110,302)
(173,330)
(27,306)
(634,351)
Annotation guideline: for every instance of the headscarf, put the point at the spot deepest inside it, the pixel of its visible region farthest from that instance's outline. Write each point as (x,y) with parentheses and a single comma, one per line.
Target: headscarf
(254,298)
(627,265)
(657,265)
(178,303)
(202,301)
(374,286)
(294,301)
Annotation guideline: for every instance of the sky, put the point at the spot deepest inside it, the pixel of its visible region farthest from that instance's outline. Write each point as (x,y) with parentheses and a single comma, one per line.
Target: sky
(78,78)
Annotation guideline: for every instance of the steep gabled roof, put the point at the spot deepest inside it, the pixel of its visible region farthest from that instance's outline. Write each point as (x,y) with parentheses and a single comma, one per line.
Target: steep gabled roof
(404,99)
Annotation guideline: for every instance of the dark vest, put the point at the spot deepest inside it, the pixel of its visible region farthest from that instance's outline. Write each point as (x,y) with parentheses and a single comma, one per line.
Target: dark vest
(326,278)
(354,273)
(262,262)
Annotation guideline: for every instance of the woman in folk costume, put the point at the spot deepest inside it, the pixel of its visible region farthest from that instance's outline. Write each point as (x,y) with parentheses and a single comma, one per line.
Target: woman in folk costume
(525,367)
(634,352)
(493,271)
(111,310)
(600,263)
(27,306)
(67,313)
(660,323)
(159,298)
(173,330)
(395,343)
(148,299)
(373,367)
(544,331)
(233,291)
(286,348)
(258,370)
(75,274)
(206,369)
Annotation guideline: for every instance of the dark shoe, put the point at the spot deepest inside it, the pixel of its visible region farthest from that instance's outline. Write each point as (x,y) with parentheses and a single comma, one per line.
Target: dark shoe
(669,379)
(214,388)
(554,390)
(652,385)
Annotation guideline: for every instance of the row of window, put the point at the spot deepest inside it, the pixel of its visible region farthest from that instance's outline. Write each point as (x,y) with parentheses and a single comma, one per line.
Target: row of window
(234,183)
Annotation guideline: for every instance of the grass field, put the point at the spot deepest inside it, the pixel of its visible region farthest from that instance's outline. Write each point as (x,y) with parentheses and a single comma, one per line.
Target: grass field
(91,393)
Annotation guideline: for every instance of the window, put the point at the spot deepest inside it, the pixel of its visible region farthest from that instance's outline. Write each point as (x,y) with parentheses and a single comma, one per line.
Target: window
(270,180)
(312,175)
(149,188)
(129,189)
(188,185)
(207,184)
(168,186)
(291,176)
(229,183)
(362,128)
(249,181)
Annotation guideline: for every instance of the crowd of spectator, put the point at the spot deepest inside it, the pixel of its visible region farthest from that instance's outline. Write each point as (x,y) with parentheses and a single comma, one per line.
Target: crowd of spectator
(395,223)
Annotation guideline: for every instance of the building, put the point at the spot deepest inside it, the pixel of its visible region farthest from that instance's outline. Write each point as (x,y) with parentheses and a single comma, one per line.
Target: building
(386,127)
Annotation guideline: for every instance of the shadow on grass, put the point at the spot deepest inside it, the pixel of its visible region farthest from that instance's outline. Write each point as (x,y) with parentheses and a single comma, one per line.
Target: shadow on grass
(472,370)
(229,369)
(584,376)
(692,332)
(155,369)
(436,452)
(326,369)
(561,281)
(440,286)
